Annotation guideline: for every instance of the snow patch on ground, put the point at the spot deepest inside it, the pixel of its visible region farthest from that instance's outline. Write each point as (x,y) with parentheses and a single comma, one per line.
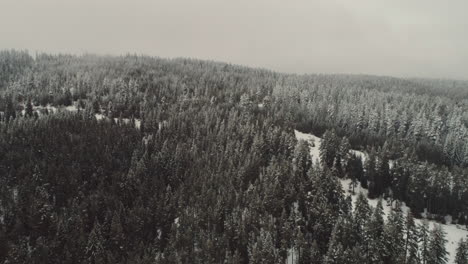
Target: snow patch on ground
(314,144)
(453,232)
(292,256)
(359,154)
(100,117)
(73,108)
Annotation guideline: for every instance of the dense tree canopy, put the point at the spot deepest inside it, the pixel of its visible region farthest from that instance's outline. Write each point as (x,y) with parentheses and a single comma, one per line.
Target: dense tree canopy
(137,159)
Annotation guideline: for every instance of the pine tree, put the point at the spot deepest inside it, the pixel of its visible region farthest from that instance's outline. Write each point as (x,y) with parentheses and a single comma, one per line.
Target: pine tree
(355,171)
(10,112)
(315,256)
(411,243)
(417,188)
(424,241)
(232,258)
(375,231)
(335,255)
(393,235)
(3,245)
(29,109)
(95,249)
(345,146)
(383,169)
(116,234)
(246,101)
(461,256)
(373,177)
(67,98)
(96,107)
(362,214)
(328,148)
(305,256)
(263,249)
(342,155)
(437,251)
(110,111)
(302,161)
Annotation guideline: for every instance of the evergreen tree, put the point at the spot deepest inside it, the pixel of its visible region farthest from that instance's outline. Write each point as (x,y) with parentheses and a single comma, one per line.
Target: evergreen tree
(96,107)
(95,249)
(394,236)
(373,176)
(117,235)
(411,241)
(362,214)
(29,108)
(315,256)
(302,161)
(10,112)
(424,241)
(383,168)
(263,249)
(335,254)
(375,231)
(437,252)
(3,245)
(67,98)
(355,172)
(461,256)
(329,148)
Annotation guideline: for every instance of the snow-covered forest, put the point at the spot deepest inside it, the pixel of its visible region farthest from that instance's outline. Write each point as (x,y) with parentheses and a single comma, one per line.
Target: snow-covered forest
(136,159)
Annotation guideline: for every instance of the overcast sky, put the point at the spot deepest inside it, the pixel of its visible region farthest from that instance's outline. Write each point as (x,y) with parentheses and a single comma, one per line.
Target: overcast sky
(414,38)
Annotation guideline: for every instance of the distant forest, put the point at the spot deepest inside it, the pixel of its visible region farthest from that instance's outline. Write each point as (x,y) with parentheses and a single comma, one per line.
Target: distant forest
(213,173)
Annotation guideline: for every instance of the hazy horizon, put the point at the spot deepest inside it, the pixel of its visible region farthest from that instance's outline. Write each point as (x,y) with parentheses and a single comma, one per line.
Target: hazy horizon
(420,39)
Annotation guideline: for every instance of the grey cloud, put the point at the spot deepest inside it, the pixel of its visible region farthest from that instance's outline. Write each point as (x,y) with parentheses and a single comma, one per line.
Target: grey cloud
(402,38)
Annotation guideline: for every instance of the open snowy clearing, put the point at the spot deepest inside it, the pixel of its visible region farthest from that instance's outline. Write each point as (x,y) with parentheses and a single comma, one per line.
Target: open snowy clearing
(453,232)
(73,108)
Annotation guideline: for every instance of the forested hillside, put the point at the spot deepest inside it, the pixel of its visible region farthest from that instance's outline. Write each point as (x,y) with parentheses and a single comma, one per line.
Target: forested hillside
(213,173)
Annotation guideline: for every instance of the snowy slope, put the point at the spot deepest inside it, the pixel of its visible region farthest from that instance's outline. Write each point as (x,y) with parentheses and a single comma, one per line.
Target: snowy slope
(453,232)
(314,144)
(73,108)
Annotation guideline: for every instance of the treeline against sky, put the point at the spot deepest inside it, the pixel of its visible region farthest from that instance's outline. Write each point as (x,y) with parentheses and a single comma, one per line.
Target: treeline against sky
(213,173)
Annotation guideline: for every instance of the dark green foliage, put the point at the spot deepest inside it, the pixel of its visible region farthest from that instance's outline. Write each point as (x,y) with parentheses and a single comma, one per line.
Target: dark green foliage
(462,252)
(214,173)
(437,252)
(411,241)
(29,109)
(394,236)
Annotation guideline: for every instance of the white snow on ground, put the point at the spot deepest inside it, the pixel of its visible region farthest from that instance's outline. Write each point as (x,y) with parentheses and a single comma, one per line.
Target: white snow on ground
(292,256)
(360,154)
(314,144)
(99,116)
(124,120)
(364,156)
(51,109)
(453,232)
(71,108)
